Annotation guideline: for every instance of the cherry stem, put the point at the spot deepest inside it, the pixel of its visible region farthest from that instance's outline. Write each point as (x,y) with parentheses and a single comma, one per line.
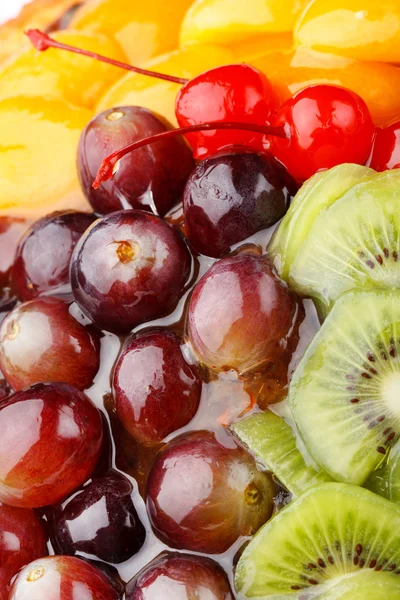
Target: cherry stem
(107,167)
(41,41)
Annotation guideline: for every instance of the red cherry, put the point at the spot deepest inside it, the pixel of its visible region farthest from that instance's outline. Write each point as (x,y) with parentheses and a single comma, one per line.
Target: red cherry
(386,150)
(229,93)
(326,125)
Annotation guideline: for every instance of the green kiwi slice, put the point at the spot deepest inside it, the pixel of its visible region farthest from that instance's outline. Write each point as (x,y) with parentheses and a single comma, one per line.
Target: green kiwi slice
(272,441)
(319,192)
(366,585)
(354,243)
(344,394)
(329,532)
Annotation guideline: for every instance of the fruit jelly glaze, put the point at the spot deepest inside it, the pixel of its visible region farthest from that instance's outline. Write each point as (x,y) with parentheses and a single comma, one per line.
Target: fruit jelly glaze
(223,399)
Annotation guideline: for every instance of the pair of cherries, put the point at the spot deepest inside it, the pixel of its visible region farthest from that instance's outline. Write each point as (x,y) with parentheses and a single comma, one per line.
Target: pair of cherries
(235,106)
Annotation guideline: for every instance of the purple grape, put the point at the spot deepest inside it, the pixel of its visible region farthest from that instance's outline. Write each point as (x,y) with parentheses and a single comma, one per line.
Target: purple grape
(180,576)
(155,390)
(229,197)
(202,496)
(44,253)
(129,268)
(100,520)
(11,230)
(151,178)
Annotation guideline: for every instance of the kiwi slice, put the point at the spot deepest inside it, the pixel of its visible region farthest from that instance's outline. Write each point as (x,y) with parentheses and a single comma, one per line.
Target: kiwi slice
(344,394)
(329,532)
(272,441)
(319,192)
(365,585)
(378,482)
(354,243)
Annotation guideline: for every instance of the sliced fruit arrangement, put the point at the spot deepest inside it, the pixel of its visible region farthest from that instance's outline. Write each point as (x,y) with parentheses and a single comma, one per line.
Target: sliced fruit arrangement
(328,255)
(272,441)
(336,534)
(344,393)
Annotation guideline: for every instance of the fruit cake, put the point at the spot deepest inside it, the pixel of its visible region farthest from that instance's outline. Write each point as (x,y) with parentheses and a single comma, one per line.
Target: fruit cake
(200,300)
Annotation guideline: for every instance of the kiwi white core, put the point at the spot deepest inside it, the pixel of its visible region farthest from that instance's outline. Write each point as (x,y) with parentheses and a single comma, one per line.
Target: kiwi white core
(391,392)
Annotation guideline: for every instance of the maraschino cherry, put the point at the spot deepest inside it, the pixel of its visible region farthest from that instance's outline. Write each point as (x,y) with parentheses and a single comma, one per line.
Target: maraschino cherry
(386,150)
(320,127)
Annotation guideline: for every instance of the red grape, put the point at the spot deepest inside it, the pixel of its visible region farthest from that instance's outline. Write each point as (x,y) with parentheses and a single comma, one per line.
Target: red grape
(155,390)
(174,576)
(203,496)
(62,578)
(130,267)
(43,255)
(152,179)
(50,443)
(41,341)
(22,539)
(240,315)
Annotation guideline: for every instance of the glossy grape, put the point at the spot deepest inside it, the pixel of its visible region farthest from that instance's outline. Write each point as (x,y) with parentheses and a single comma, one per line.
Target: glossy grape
(180,576)
(41,341)
(151,178)
(155,390)
(50,444)
(238,93)
(130,267)
(11,230)
(101,520)
(43,255)
(62,578)
(326,125)
(230,197)
(22,539)
(203,496)
(240,315)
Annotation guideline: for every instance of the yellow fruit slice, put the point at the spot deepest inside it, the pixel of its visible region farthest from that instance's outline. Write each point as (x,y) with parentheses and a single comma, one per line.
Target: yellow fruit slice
(159,96)
(363,29)
(55,73)
(261,45)
(143,28)
(38,142)
(227,22)
(378,84)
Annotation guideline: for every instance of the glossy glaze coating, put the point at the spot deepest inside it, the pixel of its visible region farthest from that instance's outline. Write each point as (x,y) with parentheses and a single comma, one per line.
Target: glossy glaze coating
(38,184)
(50,444)
(11,231)
(22,539)
(180,576)
(62,578)
(43,255)
(156,391)
(99,521)
(41,341)
(143,29)
(230,93)
(130,267)
(203,495)
(240,315)
(291,71)
(326,125)
(151,178)
(362,29)
(230,197)
(386,150)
